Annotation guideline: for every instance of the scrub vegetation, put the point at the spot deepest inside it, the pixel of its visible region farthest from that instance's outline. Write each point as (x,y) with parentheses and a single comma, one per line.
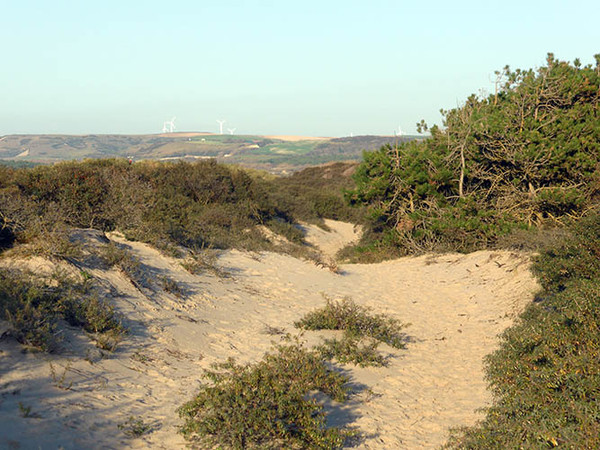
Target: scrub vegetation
(267,404)
(197,205)
(363,332)
(546,375)
(203,206)
(33,308)
(524,157)
(507,169)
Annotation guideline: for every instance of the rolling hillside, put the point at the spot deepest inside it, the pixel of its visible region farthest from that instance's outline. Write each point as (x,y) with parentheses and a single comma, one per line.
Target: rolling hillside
(277,154)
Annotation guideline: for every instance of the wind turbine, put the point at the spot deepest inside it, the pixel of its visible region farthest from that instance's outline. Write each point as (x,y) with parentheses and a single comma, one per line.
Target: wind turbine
(221,122)
(231,130)
(172,124)
(399,132)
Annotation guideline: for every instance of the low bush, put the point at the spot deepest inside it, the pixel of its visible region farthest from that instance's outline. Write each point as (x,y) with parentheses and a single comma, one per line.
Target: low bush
(352,349)
(317,193)
(196,205)
(546,376)
(357,320)
(89,312)
(267,404)
(363,332)
(33,308)
(287,230)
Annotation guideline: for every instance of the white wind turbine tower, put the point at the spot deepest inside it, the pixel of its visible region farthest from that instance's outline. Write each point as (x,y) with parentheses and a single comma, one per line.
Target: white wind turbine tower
(172,124)
(165,129)
(221,122)
(231,130)
(399,132)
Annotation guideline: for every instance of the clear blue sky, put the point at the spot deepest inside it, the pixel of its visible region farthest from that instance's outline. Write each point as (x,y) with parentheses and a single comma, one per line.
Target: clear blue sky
(327,68)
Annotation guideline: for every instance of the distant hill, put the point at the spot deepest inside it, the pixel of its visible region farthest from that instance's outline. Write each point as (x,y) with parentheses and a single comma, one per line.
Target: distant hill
(276,154)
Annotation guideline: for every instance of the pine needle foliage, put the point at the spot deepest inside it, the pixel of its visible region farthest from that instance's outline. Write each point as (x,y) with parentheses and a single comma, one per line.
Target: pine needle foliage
(524,156)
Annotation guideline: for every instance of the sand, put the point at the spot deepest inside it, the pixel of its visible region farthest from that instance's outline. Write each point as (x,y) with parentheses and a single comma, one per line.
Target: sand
(456,305)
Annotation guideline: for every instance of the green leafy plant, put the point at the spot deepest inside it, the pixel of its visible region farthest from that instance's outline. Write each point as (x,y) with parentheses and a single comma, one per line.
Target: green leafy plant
(352,349)
(169,205)
(546,375)
(34,307)
(115,255)
(356,320)
(363,332)
(266,404)
(526,156)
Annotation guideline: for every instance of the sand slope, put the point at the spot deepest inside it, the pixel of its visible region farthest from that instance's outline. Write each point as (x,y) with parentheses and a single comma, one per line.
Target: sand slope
(456,304)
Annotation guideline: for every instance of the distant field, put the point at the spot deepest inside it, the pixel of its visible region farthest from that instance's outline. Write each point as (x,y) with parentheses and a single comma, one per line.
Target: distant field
(272,153)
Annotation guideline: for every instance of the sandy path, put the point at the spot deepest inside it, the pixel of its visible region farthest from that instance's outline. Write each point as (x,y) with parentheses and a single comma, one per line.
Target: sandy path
(456,304)
(339,235)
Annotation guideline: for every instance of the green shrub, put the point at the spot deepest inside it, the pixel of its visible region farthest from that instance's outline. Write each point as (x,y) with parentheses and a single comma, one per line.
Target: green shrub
(546,375)
(356,320)
(363,332)
(287,230)
(574,258)
(30,308)
(197,205)
(316,193)
(352,349)
(266,404)
(33,308)
(89,313)
(560,201)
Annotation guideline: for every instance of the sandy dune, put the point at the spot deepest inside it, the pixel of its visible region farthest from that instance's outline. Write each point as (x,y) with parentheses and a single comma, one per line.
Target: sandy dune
(456,304)
(329,242)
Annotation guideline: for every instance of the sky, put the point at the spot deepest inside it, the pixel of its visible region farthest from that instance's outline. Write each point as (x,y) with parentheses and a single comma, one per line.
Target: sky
(312,68)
